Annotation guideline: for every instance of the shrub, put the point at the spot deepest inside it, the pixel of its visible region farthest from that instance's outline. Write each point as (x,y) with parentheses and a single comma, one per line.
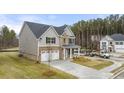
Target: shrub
(49,73)
(20,55)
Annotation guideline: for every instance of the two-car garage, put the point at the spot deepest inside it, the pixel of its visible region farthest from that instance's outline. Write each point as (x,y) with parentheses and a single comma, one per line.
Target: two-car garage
(47,55)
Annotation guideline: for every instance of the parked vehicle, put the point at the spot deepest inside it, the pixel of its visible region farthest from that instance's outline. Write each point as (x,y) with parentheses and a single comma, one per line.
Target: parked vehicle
(104,55)
(93,53)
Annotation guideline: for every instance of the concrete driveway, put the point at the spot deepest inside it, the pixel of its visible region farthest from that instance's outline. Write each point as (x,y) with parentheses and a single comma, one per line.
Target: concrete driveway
(78,70)
(118,59)
(120,76)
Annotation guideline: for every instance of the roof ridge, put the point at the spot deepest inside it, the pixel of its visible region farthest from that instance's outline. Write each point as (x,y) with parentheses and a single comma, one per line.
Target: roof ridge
(44,24)
(36,23)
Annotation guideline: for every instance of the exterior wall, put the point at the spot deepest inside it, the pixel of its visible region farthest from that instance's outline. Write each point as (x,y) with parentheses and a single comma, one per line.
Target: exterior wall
(119,48)
(30,56)
(61,53)
(61,41)
(27,42)
(49,33)
(67,35)
(69,32)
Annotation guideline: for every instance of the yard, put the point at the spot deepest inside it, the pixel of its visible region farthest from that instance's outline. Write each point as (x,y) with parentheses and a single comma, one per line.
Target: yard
(14,67)
(95,64)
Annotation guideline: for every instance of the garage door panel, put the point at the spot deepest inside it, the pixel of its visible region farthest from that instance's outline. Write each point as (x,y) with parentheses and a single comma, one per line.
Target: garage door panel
(44,56)
(53,55)
(121,50)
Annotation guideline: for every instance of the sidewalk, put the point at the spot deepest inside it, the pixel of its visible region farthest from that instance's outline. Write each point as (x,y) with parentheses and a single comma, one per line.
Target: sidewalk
(110,68)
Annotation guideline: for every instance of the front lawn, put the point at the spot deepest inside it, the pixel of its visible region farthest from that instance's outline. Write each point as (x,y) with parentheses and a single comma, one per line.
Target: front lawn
(95,64)
(14,67)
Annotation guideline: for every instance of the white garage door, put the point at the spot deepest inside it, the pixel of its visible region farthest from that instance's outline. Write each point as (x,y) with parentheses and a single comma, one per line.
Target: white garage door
(44,56)
(53,55)
(120,50)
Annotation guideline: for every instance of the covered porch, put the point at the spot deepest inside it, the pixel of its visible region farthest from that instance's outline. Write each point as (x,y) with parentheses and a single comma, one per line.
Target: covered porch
(70,50)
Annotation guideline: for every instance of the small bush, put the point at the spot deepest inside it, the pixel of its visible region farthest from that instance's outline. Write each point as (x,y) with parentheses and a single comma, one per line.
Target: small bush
(49,73)
(82,59)
(20,55)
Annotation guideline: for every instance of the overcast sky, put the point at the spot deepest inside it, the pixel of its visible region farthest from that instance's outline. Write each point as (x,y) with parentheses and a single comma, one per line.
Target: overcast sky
(15,21)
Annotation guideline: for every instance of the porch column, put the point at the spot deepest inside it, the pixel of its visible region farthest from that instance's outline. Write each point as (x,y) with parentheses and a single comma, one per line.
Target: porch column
(70,52)
(64,53)
(78,51)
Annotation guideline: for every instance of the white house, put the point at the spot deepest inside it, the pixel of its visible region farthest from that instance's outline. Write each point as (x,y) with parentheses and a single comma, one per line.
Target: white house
(45,42)
(113,43)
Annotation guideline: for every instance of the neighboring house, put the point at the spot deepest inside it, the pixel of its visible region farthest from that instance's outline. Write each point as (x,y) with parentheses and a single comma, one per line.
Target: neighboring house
(45,42)
(113,43)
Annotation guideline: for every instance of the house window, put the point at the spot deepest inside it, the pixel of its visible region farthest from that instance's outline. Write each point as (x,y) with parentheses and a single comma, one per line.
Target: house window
(104,45)
(117,43)
(64,40)
(50,40)
(71,41)
(121,43)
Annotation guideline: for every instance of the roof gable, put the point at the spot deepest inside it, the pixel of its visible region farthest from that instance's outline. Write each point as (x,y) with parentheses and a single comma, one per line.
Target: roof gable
(68,32)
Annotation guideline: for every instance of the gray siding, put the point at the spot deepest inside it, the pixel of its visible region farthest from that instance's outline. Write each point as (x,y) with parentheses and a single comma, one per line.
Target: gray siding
(27,42)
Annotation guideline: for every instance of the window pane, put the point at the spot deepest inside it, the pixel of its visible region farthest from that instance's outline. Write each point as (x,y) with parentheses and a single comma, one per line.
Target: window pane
(47,40)
(50,40)
(121,43)
(117,43)
(71,41)
(53,40)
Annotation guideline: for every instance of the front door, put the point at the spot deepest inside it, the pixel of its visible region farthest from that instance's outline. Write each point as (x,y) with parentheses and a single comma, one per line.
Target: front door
(68,53)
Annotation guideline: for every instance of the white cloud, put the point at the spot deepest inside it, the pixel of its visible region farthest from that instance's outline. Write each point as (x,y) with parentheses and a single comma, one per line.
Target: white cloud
(16,21)
(10,23)
(102,15)
(16,25)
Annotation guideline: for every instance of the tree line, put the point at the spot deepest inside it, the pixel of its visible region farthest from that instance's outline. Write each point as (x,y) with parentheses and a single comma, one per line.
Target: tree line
(8,38)
(89,33)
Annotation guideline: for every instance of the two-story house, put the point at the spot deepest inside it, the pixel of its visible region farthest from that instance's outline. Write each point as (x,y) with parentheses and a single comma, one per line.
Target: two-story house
(113,43)
(43,42)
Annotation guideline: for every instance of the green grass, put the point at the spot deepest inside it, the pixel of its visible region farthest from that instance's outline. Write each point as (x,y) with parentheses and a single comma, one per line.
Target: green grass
(14,67)
(95,64)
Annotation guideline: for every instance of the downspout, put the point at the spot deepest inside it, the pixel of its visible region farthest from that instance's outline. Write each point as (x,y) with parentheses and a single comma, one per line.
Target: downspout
(37,52)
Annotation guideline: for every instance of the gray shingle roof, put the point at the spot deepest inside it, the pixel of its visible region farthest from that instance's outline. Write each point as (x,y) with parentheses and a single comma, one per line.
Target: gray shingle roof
(117,37)
(60,29)
(39,29)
